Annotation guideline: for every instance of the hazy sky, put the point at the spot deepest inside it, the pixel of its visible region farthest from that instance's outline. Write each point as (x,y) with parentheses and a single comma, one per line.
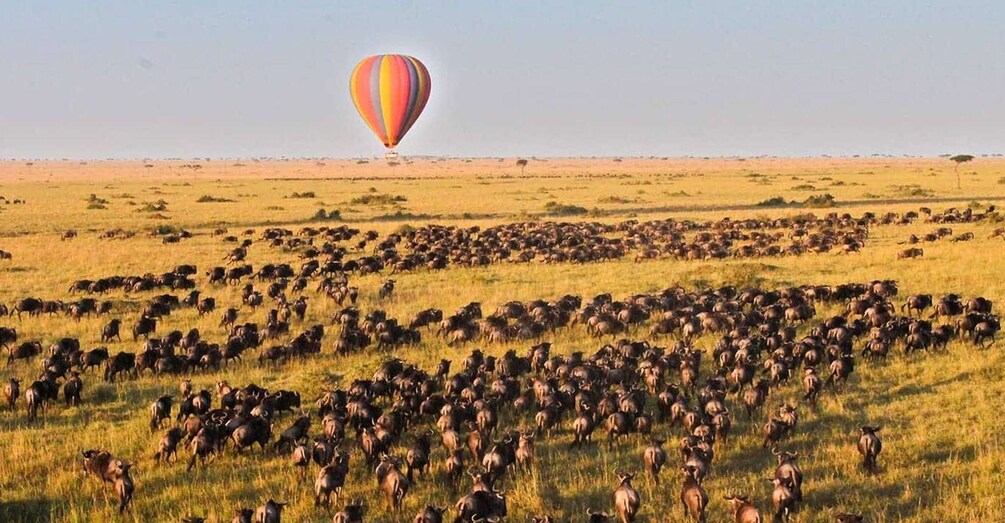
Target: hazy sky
(137,79)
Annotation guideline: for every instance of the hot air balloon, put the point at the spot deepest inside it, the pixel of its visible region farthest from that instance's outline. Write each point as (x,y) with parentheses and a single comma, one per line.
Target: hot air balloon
(389,91)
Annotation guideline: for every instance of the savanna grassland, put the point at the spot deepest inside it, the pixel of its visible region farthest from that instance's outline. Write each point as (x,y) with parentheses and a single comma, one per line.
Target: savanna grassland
(944,448)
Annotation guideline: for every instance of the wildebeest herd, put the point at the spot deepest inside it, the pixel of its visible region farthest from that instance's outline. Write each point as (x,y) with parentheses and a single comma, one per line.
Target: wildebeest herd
(654,376)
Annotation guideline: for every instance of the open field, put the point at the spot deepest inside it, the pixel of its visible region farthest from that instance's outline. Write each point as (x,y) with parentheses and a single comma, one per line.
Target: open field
(943,448)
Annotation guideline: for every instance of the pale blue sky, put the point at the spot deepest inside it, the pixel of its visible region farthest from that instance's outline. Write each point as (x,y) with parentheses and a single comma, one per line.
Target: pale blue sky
(161,79)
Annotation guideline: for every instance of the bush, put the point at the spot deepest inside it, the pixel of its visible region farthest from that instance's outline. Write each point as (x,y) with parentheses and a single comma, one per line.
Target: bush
(333,214)
(96,206)
(164,230)
(804,187)
(212,199)
(777,201)
(377,199)
(158,206)
(912,190)
(820,200)
(1001,181)
(615,199)
(559,209)
(306,194)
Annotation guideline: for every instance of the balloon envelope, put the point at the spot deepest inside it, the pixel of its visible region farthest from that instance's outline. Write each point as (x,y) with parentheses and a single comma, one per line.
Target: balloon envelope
(389,91)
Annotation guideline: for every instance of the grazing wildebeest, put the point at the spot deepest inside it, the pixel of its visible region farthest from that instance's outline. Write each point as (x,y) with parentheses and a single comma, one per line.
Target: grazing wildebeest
(24,351)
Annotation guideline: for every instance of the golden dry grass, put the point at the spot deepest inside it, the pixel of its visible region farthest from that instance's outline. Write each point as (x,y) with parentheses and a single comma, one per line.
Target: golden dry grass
(944,451)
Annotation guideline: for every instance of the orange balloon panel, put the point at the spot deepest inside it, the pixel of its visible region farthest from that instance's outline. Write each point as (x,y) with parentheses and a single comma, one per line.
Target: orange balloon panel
(390,91)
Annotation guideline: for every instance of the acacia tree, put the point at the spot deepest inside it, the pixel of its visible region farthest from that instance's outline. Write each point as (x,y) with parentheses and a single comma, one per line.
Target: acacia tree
(958,159)
(521,163)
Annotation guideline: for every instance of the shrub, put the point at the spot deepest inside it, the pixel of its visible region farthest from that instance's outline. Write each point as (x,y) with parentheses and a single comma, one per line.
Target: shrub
(912,190)
(164,230)
(777,201)
(615,199)
(305,194)
(212,199)
(377,199)
(333,214)
(820,200)
(558,209)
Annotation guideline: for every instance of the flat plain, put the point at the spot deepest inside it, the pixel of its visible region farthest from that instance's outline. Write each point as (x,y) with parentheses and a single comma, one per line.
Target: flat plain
(944,450)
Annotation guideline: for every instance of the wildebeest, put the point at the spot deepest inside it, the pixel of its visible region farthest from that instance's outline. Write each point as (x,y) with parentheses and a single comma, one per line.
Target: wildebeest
(783,499)
(270,512)
(480,505)
(11,392)
(352,513)
(243,515)
(121,362)
(392,482)
(160,410)
(24,351)
(330,480)
(101,464)
(386,289)
(8,335)
(626,499)
(111,330)
(123,485)
(167,448)
(743,510)
(788,470)
(693,497)
(654,458)
(72,389)
(869,446)
(144,327)
(430,514)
